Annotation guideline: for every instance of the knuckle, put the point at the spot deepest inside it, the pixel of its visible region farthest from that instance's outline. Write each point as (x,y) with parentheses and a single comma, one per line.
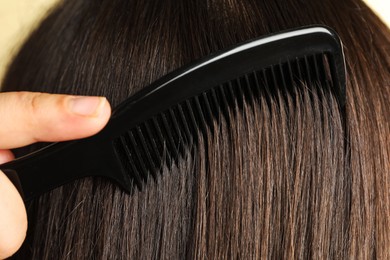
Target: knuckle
(35,103)
(34,110)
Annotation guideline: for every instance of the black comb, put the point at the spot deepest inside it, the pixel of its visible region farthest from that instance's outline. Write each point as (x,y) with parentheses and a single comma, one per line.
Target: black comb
(157,123)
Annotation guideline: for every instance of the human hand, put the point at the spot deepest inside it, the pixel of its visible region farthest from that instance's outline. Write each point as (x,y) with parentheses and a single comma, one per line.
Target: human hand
(26,118)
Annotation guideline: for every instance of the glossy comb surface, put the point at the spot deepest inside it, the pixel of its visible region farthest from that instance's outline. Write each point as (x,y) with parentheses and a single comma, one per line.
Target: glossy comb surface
(157,123)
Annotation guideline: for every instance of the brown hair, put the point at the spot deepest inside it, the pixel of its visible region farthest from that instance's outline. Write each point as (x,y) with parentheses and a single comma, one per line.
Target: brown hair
(281,179)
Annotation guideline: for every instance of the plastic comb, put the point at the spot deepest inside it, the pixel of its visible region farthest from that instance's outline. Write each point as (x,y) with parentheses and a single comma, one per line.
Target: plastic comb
(165,117)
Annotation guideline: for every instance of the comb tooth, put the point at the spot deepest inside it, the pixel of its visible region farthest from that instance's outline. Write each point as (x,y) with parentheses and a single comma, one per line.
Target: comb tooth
(277,78)
(240,94)
(321,67)
(245,83)
(317,72)
(207,110)
(299,69)
(135,174)
(328,74)
(313,68)
(285,70)
(174,122)
(307,67)
(143,171)
(159,133)
(264,76)
(185,124)
(274,77)
(151,137)
(213,96)
(233,100)
(171,141)
(290,73)
(231,94)
(146,150)
(176,126)
(191,116)
(266,84)
(249,88)
(284,78)
(287,84)
(216,105)
(257,84)
(224,101)
(202,124)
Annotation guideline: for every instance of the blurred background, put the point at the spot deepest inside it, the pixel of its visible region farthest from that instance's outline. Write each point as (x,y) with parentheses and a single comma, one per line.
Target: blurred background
(19,17)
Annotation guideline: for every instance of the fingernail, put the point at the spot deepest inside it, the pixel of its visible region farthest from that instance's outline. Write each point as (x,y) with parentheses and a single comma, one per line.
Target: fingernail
(86,106)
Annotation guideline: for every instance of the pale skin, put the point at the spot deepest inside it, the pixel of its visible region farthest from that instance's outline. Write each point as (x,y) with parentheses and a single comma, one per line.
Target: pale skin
(27,118)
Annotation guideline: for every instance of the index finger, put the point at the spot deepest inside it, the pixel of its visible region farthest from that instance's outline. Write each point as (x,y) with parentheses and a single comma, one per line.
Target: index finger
(28,117)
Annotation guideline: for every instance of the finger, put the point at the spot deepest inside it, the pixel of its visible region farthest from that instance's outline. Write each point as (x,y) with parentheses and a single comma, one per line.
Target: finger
(6,156)
(13,218)
(28,117)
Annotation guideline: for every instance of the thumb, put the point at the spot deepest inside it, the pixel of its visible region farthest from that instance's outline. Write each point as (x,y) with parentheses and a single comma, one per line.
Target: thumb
(13,218)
